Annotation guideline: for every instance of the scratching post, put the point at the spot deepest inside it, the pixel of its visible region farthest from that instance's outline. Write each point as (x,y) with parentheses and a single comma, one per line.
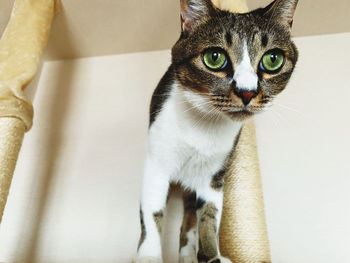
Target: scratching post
(243,233)
(238,6)
(21,46)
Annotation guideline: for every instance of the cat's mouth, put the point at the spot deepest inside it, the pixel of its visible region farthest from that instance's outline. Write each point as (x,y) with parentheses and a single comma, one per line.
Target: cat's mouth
(241,114)
(236,109)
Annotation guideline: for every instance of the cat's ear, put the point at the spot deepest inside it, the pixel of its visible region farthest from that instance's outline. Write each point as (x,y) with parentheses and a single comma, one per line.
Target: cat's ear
(282,12)
(194,12)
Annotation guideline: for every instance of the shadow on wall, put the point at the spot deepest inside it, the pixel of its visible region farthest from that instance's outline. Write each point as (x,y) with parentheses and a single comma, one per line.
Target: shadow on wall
(50,143)
(61,44)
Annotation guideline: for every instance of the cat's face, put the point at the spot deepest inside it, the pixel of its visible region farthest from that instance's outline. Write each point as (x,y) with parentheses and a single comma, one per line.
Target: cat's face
(235,63)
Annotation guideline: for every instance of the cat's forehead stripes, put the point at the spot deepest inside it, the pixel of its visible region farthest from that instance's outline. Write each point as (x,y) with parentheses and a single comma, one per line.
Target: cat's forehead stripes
(264,40)
(228,38)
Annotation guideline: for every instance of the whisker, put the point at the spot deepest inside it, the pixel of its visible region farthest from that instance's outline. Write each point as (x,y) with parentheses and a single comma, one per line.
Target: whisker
(215,117)
(275,120)
(156,112)
(289,108)
(176,93)
(202,118)
(196,106)
(279,114)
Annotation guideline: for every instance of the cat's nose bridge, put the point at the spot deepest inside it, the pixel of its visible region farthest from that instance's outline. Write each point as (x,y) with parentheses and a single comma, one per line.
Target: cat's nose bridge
(245,78)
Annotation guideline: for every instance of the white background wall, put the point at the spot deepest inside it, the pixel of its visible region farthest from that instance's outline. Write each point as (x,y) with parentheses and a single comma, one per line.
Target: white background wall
(75,192)
(304,149)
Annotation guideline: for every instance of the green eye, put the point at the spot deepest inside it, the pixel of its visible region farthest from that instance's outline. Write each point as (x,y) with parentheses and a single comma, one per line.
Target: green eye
(272,61)
(215,59)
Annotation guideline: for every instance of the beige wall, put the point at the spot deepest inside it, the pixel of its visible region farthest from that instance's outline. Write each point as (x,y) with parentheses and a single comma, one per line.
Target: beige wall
(304,151)
(86,28)
(75,192)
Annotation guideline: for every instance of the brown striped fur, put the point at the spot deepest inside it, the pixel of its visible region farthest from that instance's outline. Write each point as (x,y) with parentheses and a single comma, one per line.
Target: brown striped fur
(207,232)
(262,29)
(190,219)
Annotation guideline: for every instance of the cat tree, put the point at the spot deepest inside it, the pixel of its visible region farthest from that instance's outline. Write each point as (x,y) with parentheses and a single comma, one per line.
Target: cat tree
(21,46)
(243,235)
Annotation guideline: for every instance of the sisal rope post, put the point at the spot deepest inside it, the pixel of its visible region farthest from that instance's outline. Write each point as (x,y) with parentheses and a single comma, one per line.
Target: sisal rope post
(243,231)
(21,47)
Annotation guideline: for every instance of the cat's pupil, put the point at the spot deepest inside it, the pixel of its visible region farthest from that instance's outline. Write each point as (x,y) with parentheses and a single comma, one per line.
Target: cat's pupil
(273,58)
(215,56)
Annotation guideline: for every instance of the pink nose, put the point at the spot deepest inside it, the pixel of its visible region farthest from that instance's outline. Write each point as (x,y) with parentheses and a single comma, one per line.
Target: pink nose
(246,96)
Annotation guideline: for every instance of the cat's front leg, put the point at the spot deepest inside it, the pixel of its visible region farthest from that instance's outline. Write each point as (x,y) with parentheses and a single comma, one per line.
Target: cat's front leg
(155,187)
(188,235)
(209,210)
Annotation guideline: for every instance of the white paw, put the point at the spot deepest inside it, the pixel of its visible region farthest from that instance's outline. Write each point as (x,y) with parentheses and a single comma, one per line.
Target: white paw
(147,260)
(219,259)
(188,259)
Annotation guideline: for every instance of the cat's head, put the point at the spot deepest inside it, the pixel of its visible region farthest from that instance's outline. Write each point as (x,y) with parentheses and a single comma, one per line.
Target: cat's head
(235,63)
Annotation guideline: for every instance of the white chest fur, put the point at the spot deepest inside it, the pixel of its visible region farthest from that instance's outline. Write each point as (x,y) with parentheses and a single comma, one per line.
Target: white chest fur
(190,145)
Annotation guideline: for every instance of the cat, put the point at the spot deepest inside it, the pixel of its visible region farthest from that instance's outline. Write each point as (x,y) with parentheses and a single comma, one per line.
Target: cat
(225,68)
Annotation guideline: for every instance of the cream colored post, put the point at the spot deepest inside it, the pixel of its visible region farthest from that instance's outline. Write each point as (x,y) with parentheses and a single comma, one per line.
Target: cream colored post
(243,232)
(21,46)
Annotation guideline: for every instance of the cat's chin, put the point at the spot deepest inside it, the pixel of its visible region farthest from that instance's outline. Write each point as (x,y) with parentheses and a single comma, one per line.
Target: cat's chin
(240,115)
